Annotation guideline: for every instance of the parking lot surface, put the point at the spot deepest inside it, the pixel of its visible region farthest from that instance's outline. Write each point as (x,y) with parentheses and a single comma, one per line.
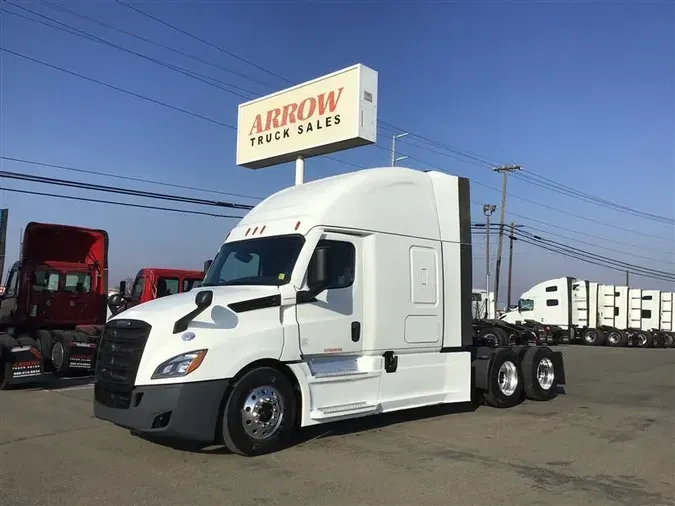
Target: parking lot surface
(608,441)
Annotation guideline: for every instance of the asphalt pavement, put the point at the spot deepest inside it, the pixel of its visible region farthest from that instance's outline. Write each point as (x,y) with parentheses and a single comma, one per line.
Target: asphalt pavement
(609,440)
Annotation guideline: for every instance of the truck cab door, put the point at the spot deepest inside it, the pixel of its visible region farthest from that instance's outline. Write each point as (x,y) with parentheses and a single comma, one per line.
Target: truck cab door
(332,323)
(8,302)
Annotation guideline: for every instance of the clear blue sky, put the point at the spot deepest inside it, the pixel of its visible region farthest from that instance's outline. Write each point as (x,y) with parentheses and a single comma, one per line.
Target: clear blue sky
(582,93)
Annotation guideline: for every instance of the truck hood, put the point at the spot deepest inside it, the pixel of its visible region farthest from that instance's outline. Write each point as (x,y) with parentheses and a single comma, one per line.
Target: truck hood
(175,306)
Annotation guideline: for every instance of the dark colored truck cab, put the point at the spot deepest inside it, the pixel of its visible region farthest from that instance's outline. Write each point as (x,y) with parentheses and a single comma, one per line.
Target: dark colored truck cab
(54,304)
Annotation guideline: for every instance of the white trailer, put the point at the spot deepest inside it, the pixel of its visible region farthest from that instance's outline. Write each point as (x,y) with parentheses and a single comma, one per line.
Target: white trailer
(340,298)
(598,314)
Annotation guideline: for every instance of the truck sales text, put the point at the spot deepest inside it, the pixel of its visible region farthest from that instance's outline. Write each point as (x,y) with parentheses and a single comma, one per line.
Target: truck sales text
(312,113)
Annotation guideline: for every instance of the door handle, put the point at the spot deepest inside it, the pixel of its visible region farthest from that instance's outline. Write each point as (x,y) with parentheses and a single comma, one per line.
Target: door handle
(356,331)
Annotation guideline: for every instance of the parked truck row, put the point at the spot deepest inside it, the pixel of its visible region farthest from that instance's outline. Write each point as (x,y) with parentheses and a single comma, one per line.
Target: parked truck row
(344,297)
(55,303)
(596,314)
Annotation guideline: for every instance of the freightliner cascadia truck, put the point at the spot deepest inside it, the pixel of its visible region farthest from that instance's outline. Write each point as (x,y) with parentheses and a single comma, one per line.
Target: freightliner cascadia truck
(54,305)
(596,314)
(344,297)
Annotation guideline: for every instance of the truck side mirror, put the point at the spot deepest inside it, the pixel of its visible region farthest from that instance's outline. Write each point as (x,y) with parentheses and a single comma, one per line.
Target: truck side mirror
(207,264)
(203,299)
(115,300)
(123,288)
(318,275)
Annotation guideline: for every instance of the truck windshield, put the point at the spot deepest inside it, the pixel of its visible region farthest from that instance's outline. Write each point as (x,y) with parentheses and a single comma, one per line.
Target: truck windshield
(45,281)
(264,261)
(77,282)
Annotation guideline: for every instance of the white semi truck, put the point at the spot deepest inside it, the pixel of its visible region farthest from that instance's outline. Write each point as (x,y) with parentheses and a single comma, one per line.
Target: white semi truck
(340,298)
(597,314)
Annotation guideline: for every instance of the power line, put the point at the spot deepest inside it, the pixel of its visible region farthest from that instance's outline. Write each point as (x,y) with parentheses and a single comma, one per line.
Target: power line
(155,43)
(461,152)
(125,204)
(129,178)
(117,88)
(121,191)
(546,206)
(202,40)
(608,261)
(669,262)
(85,35)
(566,190)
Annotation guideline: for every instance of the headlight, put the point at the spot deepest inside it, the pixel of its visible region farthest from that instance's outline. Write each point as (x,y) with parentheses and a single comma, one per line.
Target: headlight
(181,365)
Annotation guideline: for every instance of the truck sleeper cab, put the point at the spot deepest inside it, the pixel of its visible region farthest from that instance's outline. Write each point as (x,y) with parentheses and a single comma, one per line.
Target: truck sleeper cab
(339,298)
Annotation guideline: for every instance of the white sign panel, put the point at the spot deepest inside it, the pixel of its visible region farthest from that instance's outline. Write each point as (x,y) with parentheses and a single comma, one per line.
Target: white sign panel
(334,112)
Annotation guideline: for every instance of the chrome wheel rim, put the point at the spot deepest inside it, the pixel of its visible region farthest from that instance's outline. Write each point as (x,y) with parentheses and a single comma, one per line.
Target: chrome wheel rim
(545,373)
(57,355)
(263,412)
(642,339)
(613,337)
(508,378)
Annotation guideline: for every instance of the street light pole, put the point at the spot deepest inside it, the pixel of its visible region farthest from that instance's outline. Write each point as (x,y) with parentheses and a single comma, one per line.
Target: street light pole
(393,148)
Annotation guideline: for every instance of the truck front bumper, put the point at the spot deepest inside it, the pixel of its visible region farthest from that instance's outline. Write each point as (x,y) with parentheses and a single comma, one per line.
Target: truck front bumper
(187,411)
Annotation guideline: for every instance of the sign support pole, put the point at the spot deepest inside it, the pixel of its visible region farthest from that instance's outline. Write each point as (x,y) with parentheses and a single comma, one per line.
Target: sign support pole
(299,170)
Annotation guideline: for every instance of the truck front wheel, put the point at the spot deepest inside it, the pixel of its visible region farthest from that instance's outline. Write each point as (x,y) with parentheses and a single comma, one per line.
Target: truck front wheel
(259,414)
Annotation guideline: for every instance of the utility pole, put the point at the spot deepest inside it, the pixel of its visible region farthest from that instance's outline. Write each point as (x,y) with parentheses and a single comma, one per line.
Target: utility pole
(504,169)
(3,236)
(511,239)
(488,209)
(627,276)
(393,148)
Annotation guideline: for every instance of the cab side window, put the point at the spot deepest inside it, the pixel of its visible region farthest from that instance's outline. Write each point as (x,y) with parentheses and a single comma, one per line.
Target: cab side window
(12,284)
(341,263)
(137,290)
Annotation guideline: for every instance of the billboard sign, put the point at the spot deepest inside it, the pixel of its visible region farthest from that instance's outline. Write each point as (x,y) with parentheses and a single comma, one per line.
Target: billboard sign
(331,113)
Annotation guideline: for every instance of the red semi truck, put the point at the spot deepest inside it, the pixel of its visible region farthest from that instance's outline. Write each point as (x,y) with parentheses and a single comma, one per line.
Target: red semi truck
(152,283)
(55,303)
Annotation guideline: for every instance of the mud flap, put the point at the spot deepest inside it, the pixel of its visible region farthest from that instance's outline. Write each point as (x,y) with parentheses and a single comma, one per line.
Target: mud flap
(26,364)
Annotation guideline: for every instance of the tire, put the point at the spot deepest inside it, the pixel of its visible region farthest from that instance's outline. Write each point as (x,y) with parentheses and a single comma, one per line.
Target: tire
(558,337)
(668,340)
(540,379)
(657,340)
(5,373)
(495,337)
(593,337)
(244,400)
(643,339)
(505,381)
(616,338)
(60,353)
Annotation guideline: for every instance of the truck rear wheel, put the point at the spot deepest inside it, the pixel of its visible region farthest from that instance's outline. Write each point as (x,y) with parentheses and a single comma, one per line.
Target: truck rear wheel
(616,338)
(60,353)
(643,339)
(259,413)
(593,337)
(505,382)
(540,379)
(668,340)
